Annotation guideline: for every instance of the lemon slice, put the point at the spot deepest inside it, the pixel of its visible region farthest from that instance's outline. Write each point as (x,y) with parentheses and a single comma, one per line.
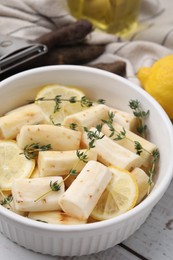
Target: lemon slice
(13,164)
(120,195)
(142,180)
(66,108)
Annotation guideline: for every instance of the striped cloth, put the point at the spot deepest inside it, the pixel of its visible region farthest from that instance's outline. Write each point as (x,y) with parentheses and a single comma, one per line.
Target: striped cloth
(29,19)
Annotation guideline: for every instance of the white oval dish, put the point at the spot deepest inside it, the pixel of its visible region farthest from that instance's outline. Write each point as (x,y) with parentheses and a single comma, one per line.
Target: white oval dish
(87,238)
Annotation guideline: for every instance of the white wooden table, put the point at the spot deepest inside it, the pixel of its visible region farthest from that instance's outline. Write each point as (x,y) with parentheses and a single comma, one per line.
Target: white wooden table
(153,241)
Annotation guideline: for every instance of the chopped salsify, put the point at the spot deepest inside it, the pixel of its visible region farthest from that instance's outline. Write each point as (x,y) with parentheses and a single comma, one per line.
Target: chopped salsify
(80,162)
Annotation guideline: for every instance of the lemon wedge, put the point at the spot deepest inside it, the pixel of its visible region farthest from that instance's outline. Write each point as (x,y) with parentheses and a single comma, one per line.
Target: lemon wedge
(119,196)
(66,107)
(13,164)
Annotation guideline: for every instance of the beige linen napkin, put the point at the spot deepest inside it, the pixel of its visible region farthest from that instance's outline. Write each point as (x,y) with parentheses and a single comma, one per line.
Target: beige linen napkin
(29,19)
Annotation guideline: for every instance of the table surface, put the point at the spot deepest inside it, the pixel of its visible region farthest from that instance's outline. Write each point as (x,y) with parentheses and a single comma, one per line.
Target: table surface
(153,241)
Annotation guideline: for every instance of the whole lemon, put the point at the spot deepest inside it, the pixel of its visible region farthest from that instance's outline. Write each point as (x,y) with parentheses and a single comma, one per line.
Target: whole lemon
(158,82)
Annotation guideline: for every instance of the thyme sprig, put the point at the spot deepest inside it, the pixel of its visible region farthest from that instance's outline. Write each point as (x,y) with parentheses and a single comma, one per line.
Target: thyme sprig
(141,115)
(119,135)
(31,150)
(84,101)
(152,171)
(83,156)
(72,126)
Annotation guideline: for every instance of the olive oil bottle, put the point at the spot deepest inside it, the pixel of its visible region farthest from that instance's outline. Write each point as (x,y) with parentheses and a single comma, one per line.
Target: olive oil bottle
(112,16)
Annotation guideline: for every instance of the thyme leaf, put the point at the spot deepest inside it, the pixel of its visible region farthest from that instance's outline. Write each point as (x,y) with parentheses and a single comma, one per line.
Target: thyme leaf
(85,102)
(101,101)
(73,172)
(43,221)
(82,156)
(121,135)
(138,147)
(73,99)
(55,186)
(6,200)
(73,126)
(58,102)
(31,150)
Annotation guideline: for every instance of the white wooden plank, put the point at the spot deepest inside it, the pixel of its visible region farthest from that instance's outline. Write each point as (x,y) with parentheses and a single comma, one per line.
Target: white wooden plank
(10,250)
(154,239)
(115,253)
